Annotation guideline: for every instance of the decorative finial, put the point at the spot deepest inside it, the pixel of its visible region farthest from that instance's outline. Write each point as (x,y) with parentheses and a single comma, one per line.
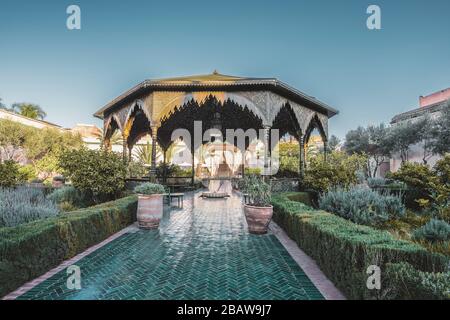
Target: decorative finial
(215,71)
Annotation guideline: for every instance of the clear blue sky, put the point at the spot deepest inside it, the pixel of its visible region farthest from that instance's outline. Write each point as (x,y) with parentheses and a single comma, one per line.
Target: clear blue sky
(320,47)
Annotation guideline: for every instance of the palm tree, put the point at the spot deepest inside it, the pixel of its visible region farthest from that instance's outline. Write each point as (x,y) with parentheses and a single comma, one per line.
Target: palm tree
(115,139)
(29,110)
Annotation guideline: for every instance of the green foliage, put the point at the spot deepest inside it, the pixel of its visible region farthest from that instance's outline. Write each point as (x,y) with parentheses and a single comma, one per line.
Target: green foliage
(136,169)
(442,169)
(403,135)
(100,174)
(24,204)
(40,146)
(172,170)
(427,184)
(303,197)
(372,142)
(362,206)
(289,159)
(333,143)
(252,171)
(29,250)
(377,182)
(69,197)
(258,191)
(434,230)
(441,142)
(148,188)
(12,138)
(28,172)
(403,281)
(29,110)
(415,175)
(10,174)
(344,250)
(340,169)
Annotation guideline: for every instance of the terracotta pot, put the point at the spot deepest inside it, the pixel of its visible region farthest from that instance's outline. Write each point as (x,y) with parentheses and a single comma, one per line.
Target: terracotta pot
(258,218)
(149,211)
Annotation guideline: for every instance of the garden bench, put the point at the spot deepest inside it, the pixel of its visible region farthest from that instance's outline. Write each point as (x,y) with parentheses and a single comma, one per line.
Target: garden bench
(178,196)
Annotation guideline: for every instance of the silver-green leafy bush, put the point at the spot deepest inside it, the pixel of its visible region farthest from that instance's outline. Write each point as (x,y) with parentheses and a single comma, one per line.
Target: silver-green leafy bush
(24,204)
(149,188)
(376,182)
(434,230)
(258,190)
(362,205)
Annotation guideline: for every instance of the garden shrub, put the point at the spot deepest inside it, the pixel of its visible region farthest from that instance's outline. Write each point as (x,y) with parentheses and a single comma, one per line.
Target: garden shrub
(344,250)
(136,169)
(403,281)
(10,174)
(70,197)
(149,188)
(252,171)
(340,169)
(24,204)
(99,173)
(377,182)
(434,230)
(29,250)
(361,205)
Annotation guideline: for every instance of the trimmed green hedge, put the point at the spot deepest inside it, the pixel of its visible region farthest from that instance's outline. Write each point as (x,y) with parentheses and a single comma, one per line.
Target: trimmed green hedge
(29,250)
(343,250)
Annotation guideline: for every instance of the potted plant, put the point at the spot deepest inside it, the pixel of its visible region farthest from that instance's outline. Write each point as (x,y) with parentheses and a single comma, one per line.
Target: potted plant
(150,204)
(258,210)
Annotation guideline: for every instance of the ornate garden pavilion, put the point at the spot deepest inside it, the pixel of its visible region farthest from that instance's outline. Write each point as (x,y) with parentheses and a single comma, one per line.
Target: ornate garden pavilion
(158,107)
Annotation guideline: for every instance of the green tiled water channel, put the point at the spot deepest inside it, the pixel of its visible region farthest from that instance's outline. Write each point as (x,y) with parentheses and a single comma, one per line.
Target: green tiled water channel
(202,251)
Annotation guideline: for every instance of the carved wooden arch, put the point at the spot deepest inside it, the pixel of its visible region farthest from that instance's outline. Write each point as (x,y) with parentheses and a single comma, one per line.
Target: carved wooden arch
(297,129)
(315,123)
(200,97)
(107,124)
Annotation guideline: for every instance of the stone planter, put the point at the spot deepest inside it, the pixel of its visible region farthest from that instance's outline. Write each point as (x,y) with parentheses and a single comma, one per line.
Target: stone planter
(258,218)
(150,210)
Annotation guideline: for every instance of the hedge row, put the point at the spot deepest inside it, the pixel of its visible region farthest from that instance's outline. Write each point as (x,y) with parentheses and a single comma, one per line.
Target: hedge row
(29,250)
(344,250)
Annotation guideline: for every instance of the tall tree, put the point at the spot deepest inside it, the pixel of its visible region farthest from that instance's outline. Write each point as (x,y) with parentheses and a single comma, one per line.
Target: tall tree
(333,143)
(403,135)
(29,110)
(372,142)
(441,143)
(426,130)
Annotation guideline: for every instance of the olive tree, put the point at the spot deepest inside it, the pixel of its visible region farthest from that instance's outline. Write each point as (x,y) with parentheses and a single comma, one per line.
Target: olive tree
(372,142)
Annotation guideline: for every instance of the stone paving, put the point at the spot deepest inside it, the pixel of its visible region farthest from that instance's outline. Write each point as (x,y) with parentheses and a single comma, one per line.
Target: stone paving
(202,251)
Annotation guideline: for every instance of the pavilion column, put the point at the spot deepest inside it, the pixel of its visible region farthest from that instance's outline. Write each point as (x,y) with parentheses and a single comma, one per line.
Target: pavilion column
(124,147)
(164,164)
(325,149)
(243,164)
(193,162)
(130,152)
(267,150)
(301,156)
(154,134)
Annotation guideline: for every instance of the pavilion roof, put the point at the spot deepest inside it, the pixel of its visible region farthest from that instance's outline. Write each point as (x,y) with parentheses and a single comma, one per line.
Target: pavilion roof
(220,82)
